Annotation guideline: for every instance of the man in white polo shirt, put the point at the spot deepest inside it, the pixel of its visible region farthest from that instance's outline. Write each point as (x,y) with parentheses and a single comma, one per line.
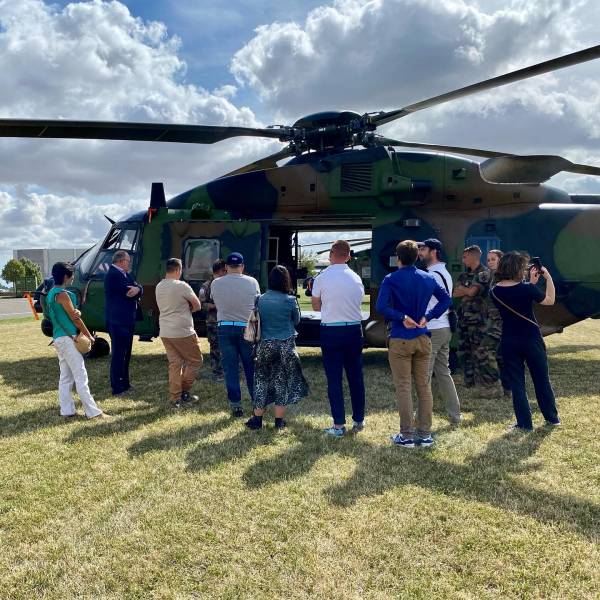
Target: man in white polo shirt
(338,293)
(430,252)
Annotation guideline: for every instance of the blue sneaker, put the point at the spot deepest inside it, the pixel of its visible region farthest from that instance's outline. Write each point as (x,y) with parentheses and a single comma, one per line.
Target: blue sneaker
(335,431)
(400,440)
(424,442)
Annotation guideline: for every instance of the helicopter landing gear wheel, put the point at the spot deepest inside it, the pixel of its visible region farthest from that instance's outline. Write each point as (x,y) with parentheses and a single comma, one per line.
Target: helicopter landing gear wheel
(99,349)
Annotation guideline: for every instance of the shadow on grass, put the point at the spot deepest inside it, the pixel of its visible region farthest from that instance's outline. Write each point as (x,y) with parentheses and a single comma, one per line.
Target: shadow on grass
(31,420)
(486,478)
(177,439)
(119,423)
(207,456)
(39,375)
(30,376)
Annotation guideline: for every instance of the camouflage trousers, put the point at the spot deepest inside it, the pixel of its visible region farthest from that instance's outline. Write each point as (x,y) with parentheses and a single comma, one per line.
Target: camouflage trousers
(215,352)
(477,350)
(493,334)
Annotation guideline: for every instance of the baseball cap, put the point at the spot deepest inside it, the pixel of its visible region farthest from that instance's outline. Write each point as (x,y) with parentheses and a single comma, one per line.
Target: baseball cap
(234,259)
(433,244)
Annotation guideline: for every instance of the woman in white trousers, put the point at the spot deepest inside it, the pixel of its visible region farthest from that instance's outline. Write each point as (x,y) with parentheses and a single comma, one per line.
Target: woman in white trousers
(66,324)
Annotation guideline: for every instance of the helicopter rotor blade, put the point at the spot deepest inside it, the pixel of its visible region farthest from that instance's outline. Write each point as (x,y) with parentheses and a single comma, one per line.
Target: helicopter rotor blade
(353,241)
(268,162)
(503,167)
(538,69)
(441,148)
(353,244)
(144,132)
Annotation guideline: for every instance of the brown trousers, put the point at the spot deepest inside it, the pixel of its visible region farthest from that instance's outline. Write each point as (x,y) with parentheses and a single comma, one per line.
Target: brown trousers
(185,360)
(411,358)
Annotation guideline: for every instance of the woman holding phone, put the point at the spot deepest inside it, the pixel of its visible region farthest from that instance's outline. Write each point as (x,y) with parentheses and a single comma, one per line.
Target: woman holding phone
(521,342)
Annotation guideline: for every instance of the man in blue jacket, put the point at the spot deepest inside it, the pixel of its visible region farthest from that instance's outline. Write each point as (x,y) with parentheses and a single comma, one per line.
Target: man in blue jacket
(122,295)
(403,299)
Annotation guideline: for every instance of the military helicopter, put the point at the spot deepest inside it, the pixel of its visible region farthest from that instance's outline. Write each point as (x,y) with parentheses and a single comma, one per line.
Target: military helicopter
(342,175)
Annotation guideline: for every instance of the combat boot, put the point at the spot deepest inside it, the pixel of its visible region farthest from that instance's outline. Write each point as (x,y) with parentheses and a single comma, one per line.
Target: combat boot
(490,391)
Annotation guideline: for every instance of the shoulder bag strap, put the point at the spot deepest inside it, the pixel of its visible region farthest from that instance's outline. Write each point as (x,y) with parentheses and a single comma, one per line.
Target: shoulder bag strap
(57,319)
(512,309)
(444,280)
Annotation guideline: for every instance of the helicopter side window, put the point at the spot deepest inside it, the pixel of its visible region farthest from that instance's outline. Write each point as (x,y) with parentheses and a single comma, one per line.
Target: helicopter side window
(198,258)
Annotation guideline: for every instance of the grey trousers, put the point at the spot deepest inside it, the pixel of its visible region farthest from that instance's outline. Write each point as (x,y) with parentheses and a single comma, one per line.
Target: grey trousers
(438,366)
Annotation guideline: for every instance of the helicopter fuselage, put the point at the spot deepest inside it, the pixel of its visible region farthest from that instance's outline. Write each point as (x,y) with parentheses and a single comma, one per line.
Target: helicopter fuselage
(395,195)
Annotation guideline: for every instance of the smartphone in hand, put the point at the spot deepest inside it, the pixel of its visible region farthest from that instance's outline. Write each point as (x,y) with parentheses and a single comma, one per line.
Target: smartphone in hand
(536,263)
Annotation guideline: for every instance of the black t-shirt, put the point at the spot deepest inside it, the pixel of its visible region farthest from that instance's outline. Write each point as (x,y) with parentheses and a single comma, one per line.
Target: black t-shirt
(519,297)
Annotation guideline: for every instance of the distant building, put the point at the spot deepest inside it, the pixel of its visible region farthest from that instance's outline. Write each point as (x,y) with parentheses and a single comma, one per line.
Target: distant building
(46,257)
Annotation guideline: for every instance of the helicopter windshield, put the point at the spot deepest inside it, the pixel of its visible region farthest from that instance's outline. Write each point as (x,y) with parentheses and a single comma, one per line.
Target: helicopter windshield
(84,261)
(120,237)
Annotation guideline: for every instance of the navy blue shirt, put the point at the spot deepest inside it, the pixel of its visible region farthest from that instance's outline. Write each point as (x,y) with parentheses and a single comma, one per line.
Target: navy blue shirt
(407,292)
(519,297)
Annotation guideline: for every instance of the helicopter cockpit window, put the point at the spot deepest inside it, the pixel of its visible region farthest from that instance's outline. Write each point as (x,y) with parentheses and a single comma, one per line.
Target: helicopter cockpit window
(112,240)
(198,258)
(118,239)
(85,261)
(127,239)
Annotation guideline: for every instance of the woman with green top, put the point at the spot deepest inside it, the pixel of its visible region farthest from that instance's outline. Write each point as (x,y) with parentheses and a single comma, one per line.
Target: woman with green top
(66,324)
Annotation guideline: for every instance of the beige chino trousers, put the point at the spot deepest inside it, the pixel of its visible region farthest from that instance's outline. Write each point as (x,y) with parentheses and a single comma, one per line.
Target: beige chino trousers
(185,360)
(438,366)
(408,359)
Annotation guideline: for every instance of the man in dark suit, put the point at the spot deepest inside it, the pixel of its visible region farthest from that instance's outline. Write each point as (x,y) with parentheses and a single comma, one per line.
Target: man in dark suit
(122,295)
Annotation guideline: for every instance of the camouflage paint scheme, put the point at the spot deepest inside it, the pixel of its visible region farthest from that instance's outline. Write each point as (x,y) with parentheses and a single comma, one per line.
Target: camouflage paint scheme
(398,195)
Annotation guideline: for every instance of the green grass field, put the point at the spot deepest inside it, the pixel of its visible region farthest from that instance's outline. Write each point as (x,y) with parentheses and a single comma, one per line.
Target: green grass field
(153,504)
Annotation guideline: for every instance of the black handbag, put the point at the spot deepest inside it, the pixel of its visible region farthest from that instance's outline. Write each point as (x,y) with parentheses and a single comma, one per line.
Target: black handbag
(452,316)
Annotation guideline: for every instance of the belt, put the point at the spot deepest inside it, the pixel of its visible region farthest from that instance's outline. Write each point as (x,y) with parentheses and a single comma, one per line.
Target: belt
(340,324)
(233,323)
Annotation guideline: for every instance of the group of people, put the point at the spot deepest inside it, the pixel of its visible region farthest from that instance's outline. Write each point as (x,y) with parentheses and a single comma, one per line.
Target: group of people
(496,326)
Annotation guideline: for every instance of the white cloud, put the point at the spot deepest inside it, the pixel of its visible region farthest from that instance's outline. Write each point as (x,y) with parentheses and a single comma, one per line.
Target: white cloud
(35,220)
(95,60)
(384,54)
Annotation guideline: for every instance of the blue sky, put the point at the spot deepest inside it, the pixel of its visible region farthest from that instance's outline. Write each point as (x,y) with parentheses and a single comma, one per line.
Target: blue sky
(254,63)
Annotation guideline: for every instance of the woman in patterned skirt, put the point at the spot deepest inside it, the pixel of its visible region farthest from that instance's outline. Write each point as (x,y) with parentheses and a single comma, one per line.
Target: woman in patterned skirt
(278,375)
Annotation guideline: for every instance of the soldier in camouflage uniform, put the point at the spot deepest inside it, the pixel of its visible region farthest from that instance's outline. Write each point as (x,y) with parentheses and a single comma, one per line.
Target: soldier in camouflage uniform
(494,322)
(208,305)
(476,349)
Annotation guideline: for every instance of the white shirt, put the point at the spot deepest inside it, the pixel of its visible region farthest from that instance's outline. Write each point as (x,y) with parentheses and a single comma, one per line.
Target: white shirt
(341,292)
(440,268)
